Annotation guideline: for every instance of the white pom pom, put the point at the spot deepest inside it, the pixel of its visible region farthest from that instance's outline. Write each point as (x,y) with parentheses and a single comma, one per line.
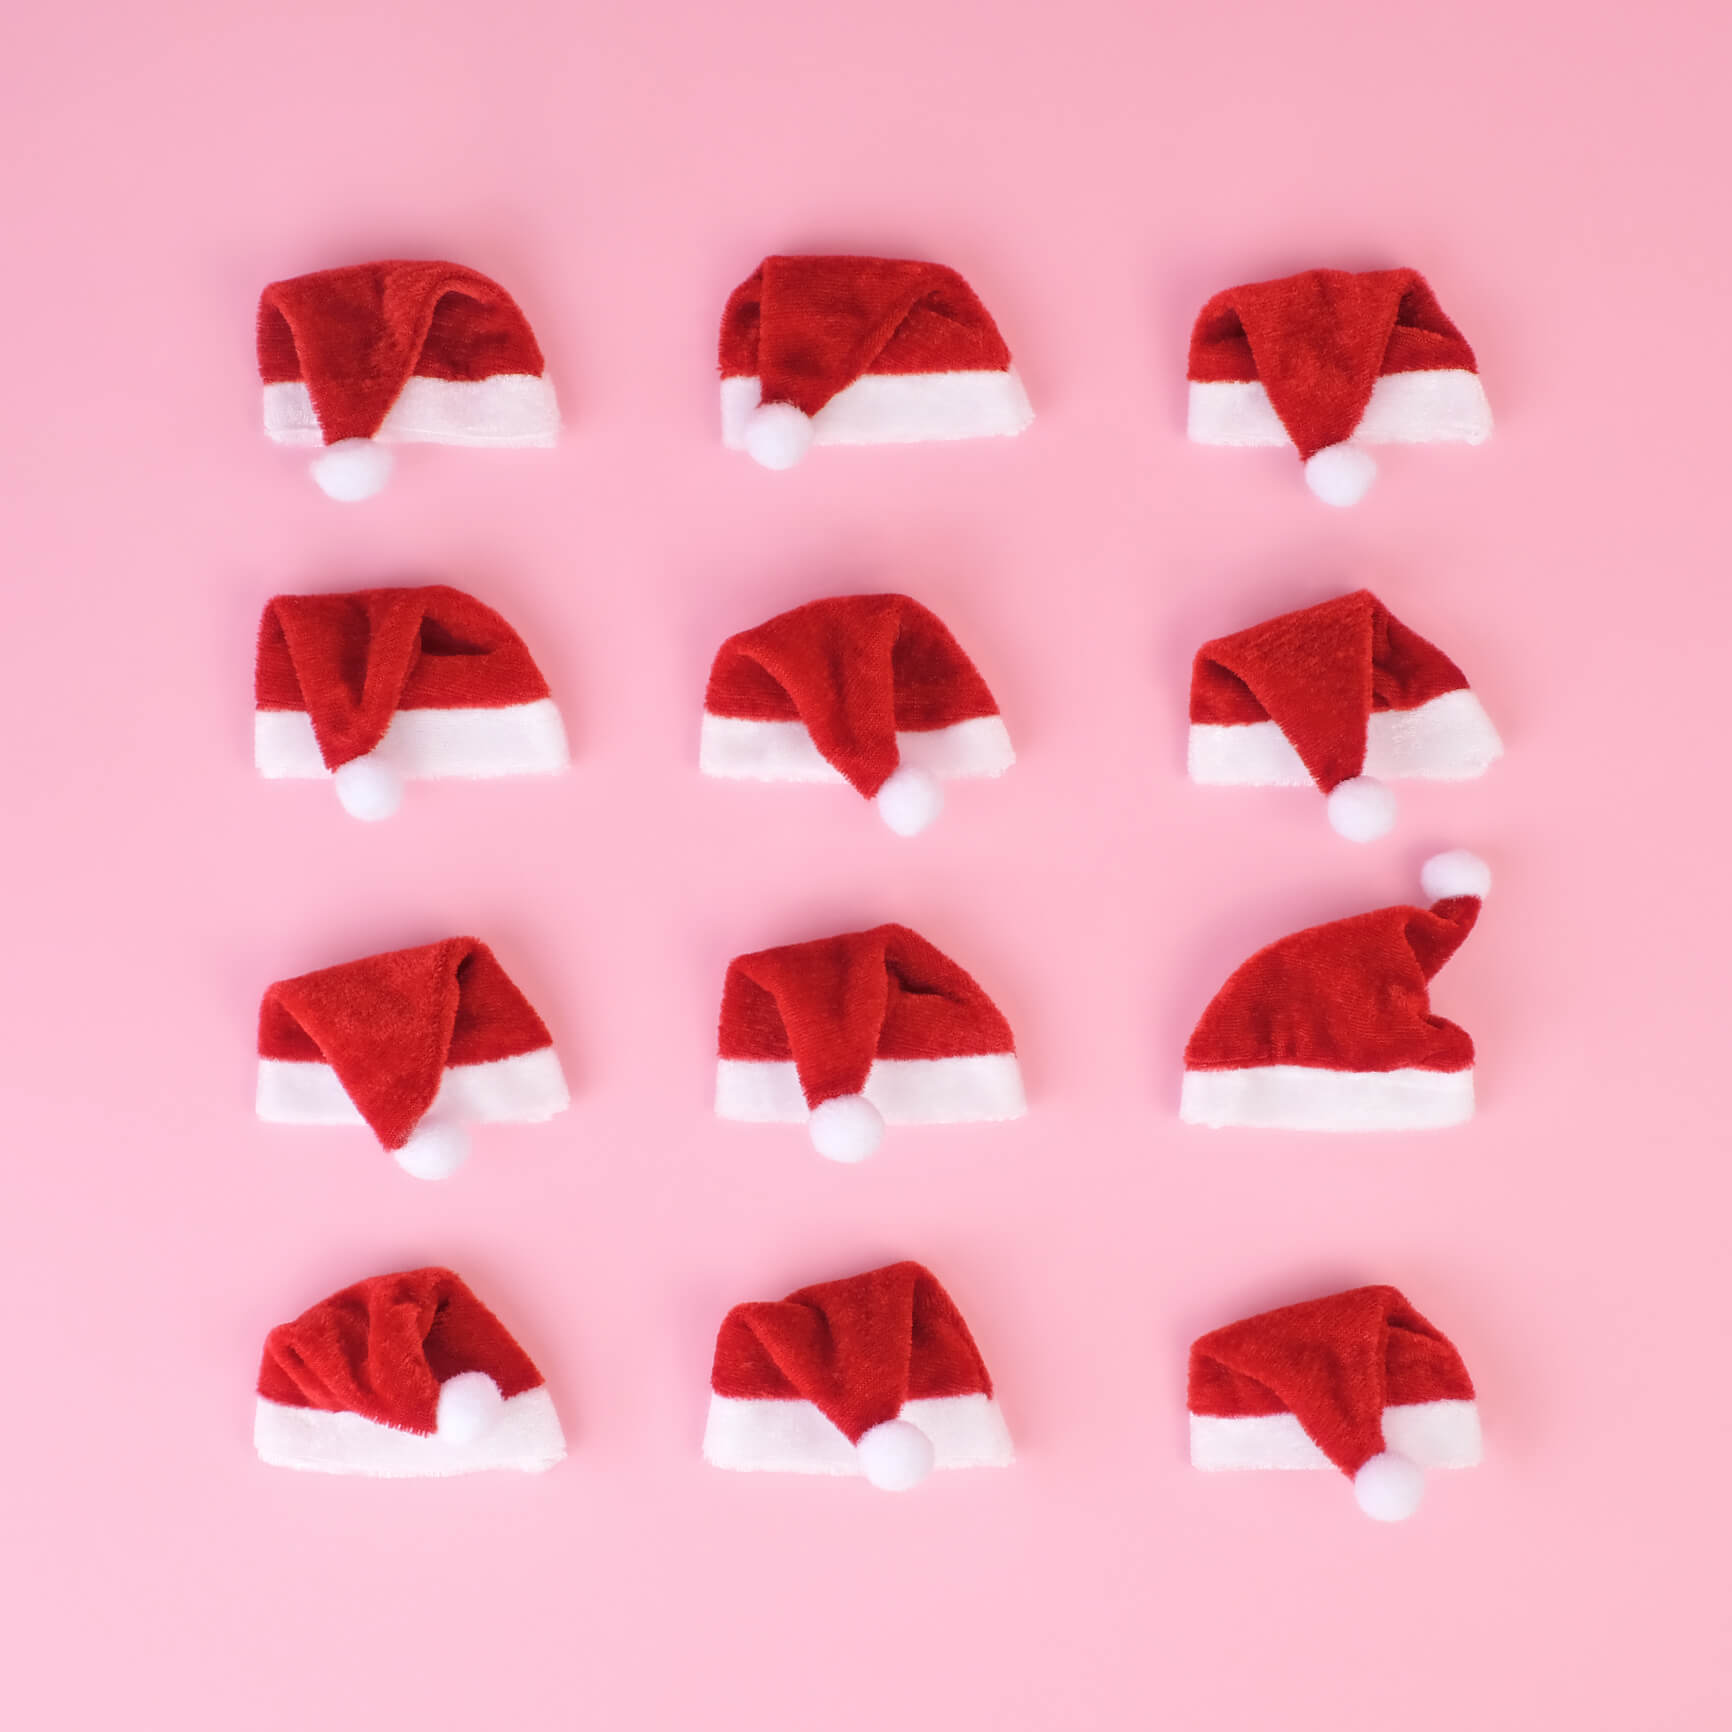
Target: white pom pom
(1389,1487)
(1341,474)
(910,800)
(778,435)
(353,469)
(895,1456)
(848,1128)
(369,788)
(1457,873)
(434,1151)
(1361,809)
(469,1405)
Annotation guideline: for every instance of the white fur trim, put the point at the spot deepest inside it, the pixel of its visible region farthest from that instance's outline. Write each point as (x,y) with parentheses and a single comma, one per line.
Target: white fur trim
(518,740)
(1443,403)
(1449,739)
(525,1090)
(526,1436)
(1429,1433)
(907,1091)
(741,750)
(898,408)
(794,1437)
(509,410)
(1293,1097)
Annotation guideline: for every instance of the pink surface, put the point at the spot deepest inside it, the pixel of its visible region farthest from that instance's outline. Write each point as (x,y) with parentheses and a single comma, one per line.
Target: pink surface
(1094,172)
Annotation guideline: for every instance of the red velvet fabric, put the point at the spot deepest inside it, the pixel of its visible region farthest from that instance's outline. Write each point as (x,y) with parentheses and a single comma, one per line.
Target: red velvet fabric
(1318,342)
(1347,996)
(1318,674)
(834,1004)
(1334,1364)
(355,336)
(389,1025)
(856,1349)
(853,669)
(807,327)
(383,1347)
(352,661)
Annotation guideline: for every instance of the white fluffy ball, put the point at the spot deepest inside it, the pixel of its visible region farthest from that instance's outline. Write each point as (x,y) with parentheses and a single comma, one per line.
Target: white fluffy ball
(910,800)
(778,435)
(434,1151)
(1341,474)
(353,469)
(1361,809)
(848,1128)
(895,1456)
(369,788)
(469,1406)
(1389,1487)
(1457,873)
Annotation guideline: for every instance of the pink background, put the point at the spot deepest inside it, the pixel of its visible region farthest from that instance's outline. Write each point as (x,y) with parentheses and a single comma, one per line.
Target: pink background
(1095,170)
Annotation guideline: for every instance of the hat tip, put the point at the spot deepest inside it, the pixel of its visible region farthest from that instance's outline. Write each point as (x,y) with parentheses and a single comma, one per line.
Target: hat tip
(895,1456)
(352,469)
(847,1128)
(778,435)
(910,800)
(1389,1487)
(1361,809)
(1340,474)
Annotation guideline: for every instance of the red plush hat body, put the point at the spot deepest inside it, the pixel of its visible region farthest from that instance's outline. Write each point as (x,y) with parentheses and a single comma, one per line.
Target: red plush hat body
(875,1375)
(871,690)
(376,685)
(1341,696)
(1331,361)
(414,1044)
(402,1377)
(401,351)
(1331,1029)
(1359,1382)
(854,351)
(845,1034)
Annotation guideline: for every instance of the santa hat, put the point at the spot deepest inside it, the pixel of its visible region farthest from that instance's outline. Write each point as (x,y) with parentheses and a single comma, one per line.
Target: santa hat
(867,689)
(406,351)
(1331,1028)
(403,1377)
(413,1043)
(1359,1381)
(847,1034)
(850,351)
(1338,695)
(875,1375)
(380,684)
(1332,361)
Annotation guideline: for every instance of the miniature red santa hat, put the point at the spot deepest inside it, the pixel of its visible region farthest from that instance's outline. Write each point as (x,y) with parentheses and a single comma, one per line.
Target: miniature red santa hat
(413,1043)
(403,1377)
(847,1034)
(1331,1029)
(875,1375)
(867,689)
(406,351)
(851,351)
(1359,1381)
(1333,361)
(1340,695)
(382,684)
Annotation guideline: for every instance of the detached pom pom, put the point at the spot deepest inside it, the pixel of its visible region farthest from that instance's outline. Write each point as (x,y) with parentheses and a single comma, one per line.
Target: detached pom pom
(848,1128)
(434,1151)
(778,435)
(1389,1488)
(369,788)
(353,469)
(1340,474)
(895,1456)
(469,1406)
(910,800)
(1361,809)
(1457,873)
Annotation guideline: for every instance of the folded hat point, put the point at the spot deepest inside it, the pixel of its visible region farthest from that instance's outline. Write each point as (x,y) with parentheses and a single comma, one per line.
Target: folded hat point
(1361,809)
(910,800)
(847,1128)
(1340,474)
(352,469)
(778,435)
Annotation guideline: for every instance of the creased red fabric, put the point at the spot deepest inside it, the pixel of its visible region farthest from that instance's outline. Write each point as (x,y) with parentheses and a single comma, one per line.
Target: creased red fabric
(856,1349)
(1334,1364)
